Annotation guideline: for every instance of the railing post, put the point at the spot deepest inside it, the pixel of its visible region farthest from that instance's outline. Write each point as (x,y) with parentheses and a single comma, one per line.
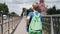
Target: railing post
(8,24)
(2,24)
(52,30)
(12,22)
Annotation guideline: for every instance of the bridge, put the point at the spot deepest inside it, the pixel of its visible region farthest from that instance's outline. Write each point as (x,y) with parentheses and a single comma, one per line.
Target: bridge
(17,25)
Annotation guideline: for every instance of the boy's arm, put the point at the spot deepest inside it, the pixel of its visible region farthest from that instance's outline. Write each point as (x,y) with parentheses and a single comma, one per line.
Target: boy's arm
(27,20)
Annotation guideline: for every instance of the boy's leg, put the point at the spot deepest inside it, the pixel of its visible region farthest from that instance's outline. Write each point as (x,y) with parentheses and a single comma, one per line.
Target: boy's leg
(27,29)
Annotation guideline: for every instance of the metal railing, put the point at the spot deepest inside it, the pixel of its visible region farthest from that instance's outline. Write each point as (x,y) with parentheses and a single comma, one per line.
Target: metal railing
(51,24)
(9,25)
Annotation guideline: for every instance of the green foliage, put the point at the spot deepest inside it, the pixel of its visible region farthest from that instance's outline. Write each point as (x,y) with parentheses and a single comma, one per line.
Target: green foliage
(23,11)
(53,10)
(14,14)
(29,10)
(4,8)
(58,11)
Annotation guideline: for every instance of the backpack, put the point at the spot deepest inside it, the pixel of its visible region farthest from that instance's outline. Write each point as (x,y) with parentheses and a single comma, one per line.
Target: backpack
(35,23)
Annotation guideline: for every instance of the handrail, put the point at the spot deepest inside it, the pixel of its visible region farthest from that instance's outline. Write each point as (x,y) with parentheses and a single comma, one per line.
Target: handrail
(50,15)
(10,24)
(50,18)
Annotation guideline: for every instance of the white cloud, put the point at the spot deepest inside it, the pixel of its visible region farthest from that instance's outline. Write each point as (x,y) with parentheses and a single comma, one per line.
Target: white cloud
(1,1)
(18,7)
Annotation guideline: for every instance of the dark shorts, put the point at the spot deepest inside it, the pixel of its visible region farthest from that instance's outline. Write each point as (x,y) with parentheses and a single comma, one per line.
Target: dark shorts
(27,28)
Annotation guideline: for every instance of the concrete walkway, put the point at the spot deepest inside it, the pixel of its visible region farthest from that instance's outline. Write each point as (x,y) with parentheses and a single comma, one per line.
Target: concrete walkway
(21,29)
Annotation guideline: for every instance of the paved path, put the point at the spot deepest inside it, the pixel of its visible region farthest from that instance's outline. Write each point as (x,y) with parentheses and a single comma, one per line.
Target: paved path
(21,29)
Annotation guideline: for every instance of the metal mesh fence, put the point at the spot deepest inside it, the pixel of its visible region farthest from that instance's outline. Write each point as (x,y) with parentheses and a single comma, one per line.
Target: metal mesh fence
(51,24)
(8,25)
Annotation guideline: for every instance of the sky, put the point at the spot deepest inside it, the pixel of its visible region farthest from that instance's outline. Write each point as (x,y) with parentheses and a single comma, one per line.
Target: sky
(17,5)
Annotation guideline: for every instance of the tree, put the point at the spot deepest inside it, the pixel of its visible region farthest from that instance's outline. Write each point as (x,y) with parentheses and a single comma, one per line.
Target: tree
(24,10)
(4,8)
(51,10)
(14,14)
(58,11)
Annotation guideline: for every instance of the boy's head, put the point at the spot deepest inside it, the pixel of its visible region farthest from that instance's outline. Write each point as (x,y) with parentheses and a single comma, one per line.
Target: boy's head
(35,5)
